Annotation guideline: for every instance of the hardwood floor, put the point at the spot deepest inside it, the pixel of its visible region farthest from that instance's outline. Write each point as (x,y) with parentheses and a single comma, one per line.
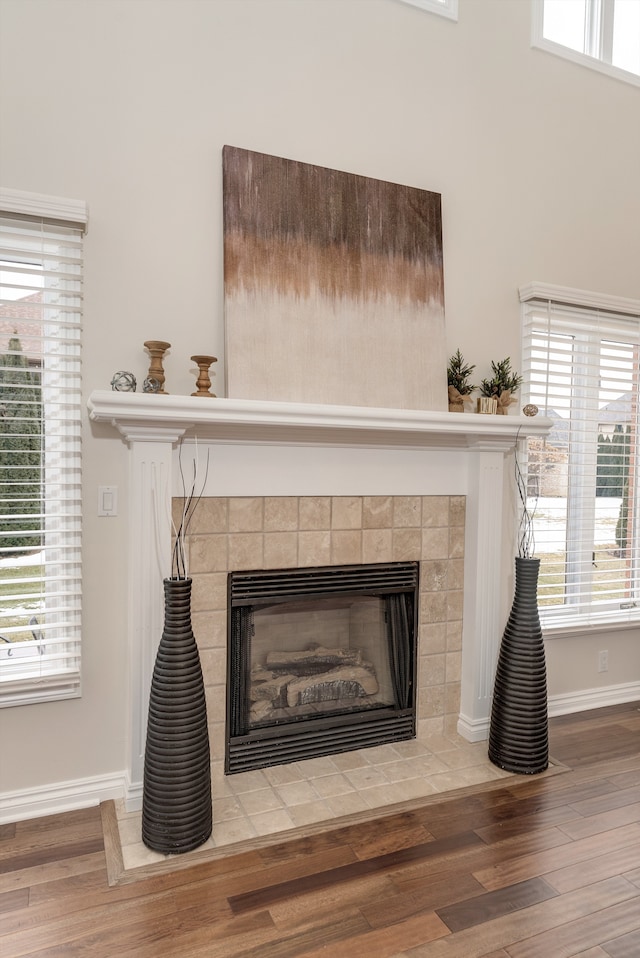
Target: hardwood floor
(541,868)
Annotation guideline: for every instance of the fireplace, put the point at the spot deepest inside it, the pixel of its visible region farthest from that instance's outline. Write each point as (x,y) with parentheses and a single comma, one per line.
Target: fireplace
(320,661)
(426,486)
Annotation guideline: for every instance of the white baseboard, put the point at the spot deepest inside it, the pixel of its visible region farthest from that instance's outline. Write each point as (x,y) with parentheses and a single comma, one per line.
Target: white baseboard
(473,730)
(477,730)
(593,698)
(60,797)
(133,797)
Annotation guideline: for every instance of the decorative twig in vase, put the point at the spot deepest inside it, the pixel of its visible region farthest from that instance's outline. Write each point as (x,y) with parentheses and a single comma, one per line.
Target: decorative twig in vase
(190,500)
(526,538)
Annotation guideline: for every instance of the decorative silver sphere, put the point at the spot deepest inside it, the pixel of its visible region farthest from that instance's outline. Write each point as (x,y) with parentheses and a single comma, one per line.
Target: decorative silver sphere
(151,385)
(123,382)
(530,409)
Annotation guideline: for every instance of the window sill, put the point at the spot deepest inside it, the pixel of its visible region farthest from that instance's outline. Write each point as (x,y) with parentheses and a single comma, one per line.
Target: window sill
(588,628)
(583,59)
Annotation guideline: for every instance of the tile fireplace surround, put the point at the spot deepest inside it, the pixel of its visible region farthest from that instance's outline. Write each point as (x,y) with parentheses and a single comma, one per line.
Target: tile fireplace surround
(300,485)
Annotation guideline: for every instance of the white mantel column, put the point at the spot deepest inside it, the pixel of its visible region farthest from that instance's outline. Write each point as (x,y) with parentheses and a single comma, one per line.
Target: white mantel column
(150,466)
(483,587)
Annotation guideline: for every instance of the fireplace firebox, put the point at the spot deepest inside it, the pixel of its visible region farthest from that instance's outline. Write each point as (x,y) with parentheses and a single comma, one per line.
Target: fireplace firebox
(320,660)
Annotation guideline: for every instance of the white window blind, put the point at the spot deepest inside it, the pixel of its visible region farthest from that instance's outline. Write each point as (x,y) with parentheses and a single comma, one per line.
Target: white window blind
(40,463)
(581,368)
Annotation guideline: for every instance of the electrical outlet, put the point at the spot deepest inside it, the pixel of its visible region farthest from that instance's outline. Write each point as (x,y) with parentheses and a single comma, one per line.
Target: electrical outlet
(603,661)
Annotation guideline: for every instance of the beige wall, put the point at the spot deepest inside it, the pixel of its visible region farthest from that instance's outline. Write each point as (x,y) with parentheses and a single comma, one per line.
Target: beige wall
(127,104)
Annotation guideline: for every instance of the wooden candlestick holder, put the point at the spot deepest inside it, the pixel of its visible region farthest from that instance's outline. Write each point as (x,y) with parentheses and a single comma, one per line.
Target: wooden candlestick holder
(157,349)
(203,381)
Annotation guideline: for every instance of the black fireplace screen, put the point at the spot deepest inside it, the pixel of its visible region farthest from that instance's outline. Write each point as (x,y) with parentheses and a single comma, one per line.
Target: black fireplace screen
(320,661)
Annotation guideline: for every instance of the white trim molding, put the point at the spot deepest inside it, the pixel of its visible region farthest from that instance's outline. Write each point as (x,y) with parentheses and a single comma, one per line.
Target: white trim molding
(569,296)
(60,797)
(46,207)
(582,701)
(587,699)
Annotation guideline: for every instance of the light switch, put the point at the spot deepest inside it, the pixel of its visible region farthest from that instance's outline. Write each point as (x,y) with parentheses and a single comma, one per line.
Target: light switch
(107,500)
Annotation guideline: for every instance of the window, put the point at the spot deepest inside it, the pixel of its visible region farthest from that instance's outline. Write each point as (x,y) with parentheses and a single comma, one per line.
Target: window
(40,509)
(581,366)
(602,34)
(446,8)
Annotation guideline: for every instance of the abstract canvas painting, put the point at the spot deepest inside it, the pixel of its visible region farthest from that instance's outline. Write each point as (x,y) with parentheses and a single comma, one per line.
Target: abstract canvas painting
(333,286)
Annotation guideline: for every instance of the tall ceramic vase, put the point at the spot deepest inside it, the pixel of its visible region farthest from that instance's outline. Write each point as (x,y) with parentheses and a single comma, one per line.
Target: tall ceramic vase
(176,798)
(519,732)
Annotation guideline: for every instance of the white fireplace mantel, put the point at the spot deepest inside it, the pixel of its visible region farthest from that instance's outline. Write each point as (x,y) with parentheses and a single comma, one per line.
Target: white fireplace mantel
(278,448)
(138,415)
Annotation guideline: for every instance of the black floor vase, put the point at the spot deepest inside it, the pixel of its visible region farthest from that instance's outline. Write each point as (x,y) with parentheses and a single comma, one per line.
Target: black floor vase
(519,731)
(176,797)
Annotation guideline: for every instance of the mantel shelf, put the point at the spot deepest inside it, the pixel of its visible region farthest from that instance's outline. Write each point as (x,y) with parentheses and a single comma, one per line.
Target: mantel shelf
(148,416)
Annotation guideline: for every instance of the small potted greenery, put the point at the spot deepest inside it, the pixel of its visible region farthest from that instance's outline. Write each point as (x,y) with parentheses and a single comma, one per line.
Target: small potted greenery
(499,388)
(458,376)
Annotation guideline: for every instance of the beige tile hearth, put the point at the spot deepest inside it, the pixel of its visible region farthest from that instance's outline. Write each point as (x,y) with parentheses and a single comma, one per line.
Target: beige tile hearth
(275,803)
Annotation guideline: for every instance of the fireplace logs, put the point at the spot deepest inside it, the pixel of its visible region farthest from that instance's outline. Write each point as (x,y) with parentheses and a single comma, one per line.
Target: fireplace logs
(309,677)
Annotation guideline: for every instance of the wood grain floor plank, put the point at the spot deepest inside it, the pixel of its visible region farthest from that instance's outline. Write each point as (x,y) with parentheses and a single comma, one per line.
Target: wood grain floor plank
(633,876)
(162,939)
(523,824)
(373,893)
(564,941)
(602,822)
(386,840)
(384,942)
(596,952)
(92,886)
(626,779)
(608,748)
(35,931)
(607,802)
(431,850)
(494,904)
(596,869)
(514,930)
(53,870)
(14,900)
(537,865)
(517,810)
(428,895)
(79,825)
(483,857)
(299,873)
(38,857)
(625,946)
(250,935)
(197,935)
